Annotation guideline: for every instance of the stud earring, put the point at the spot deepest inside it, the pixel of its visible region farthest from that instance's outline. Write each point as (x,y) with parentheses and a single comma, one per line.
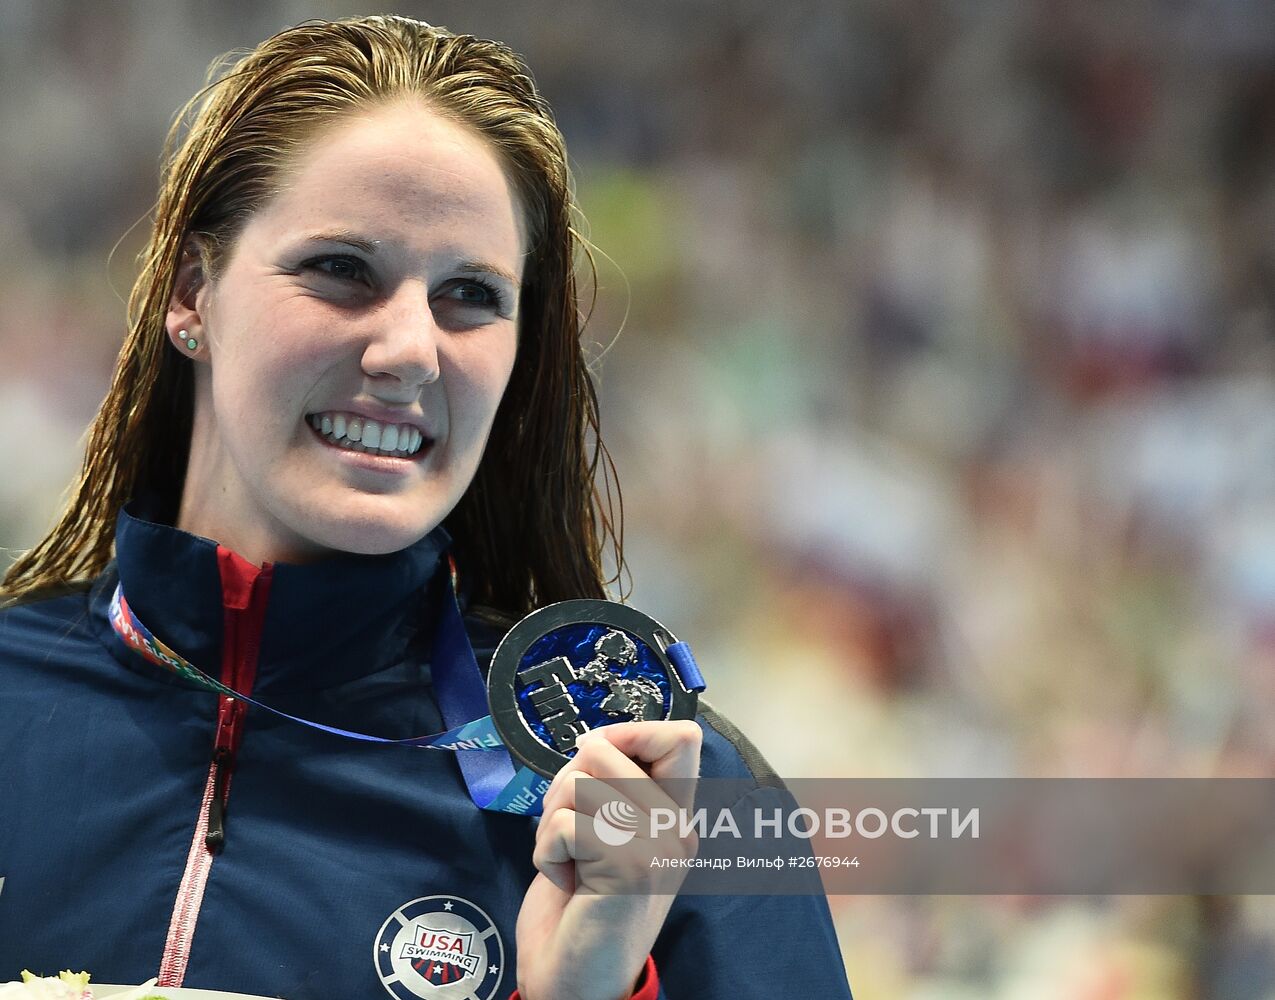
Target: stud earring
(191,342)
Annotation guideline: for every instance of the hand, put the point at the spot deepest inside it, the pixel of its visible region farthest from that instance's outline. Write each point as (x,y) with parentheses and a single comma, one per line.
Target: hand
(591,915)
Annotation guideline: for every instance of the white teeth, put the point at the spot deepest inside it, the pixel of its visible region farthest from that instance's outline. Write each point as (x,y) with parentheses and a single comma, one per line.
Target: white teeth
(362,434)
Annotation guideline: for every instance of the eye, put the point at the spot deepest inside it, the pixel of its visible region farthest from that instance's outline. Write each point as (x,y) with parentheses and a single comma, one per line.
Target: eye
(343,268)
(480,293)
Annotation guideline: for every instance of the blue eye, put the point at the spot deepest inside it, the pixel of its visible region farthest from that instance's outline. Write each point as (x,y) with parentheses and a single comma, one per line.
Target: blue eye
(479,293)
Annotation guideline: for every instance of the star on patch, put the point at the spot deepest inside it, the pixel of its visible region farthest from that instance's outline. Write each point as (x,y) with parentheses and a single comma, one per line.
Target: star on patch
(492,970)
(385,947)
(447,905)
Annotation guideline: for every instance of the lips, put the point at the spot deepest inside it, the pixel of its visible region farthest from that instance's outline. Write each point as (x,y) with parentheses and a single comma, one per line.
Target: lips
(358,433)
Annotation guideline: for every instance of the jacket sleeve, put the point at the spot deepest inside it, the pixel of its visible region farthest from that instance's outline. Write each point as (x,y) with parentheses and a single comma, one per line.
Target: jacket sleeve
(648,984)
(746,947)
(749,947)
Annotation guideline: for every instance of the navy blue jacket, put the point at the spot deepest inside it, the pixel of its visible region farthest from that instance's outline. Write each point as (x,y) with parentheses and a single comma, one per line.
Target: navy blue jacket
(331,846)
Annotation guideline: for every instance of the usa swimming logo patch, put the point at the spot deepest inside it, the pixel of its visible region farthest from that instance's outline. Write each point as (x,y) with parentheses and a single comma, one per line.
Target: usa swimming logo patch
(439,948)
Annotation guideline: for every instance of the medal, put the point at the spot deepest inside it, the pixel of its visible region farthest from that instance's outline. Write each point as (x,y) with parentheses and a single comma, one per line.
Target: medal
(576,666)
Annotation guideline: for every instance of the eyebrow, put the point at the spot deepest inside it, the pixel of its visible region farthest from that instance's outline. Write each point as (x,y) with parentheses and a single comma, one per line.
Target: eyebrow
(482,267)
(346,237)
(371,246)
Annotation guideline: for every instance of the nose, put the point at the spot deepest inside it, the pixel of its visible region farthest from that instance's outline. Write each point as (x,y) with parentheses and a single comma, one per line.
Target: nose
(403,352)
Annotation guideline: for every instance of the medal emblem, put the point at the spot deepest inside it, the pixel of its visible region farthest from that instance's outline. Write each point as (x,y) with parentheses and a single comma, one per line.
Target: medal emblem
(579,665)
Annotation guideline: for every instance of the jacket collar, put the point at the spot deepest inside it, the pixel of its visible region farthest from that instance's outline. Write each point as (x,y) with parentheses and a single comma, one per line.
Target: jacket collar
(324,623)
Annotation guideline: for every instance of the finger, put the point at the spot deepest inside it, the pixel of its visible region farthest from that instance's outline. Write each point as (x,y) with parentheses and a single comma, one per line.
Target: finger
(670,748)
(558,849)
(561,791)
(601,760)
(579,852)
(553,854)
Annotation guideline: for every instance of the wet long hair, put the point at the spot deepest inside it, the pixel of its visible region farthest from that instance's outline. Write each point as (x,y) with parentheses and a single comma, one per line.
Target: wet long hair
(533,524)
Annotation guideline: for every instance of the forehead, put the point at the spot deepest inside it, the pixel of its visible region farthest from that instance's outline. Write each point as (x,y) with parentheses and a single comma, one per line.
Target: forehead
(402,173)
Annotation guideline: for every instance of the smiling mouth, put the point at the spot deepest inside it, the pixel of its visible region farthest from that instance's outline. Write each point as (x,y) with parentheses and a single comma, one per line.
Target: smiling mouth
(354,433)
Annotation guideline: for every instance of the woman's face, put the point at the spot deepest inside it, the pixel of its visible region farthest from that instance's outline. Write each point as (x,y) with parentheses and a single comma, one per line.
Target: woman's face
(356,344)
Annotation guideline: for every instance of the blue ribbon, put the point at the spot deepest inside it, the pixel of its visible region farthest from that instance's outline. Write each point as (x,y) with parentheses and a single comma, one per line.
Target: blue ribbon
(491,778)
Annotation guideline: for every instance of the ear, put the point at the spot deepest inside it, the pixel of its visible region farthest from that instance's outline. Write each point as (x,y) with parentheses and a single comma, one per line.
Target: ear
(187,330)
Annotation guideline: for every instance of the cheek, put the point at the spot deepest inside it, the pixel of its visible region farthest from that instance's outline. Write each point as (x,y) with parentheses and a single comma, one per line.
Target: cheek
(269,358)
(482,383)
(499,384)
(503,372)
(252,388)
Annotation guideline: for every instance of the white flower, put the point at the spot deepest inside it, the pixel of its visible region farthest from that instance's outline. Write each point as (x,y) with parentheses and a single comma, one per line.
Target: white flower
(67,986)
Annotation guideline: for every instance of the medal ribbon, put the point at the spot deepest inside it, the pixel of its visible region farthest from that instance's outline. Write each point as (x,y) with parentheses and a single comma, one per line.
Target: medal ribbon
(491,778)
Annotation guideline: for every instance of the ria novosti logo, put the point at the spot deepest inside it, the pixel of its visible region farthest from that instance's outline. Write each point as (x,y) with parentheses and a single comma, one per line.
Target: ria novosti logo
(616,823)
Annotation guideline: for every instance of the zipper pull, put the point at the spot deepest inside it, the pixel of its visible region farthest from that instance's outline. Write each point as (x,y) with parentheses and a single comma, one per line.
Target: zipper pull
(215,838)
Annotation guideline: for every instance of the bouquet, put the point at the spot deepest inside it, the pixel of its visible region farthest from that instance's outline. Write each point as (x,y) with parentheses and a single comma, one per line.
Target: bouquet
(67,986)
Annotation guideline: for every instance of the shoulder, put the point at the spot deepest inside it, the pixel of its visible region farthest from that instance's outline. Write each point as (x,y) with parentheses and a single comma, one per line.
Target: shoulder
(46,626)
(54,671)
(45,595)
(48,608)
(728,753)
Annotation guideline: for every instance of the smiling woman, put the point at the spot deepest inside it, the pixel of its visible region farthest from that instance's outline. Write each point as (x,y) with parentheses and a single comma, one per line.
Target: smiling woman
(276,127)
(351,407)
(401,330)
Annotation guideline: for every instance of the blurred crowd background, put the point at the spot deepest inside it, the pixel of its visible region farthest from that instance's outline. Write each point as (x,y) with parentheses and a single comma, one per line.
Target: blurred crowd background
(936,344)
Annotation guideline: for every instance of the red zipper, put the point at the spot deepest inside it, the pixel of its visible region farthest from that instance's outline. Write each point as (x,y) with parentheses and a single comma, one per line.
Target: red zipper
(245,590)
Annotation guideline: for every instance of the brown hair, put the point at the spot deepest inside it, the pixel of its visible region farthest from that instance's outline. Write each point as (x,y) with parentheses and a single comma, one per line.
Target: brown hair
(531,527)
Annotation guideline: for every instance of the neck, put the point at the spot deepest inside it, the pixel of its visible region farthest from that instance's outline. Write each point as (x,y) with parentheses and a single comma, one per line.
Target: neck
(342,617)
(211,510)
(208,516)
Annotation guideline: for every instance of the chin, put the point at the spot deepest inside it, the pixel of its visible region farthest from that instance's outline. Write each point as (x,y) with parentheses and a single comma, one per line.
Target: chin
(367,530)
(369,542)
(370,546)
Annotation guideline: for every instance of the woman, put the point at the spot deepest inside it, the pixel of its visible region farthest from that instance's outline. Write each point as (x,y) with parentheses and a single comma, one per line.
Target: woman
(352,378)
